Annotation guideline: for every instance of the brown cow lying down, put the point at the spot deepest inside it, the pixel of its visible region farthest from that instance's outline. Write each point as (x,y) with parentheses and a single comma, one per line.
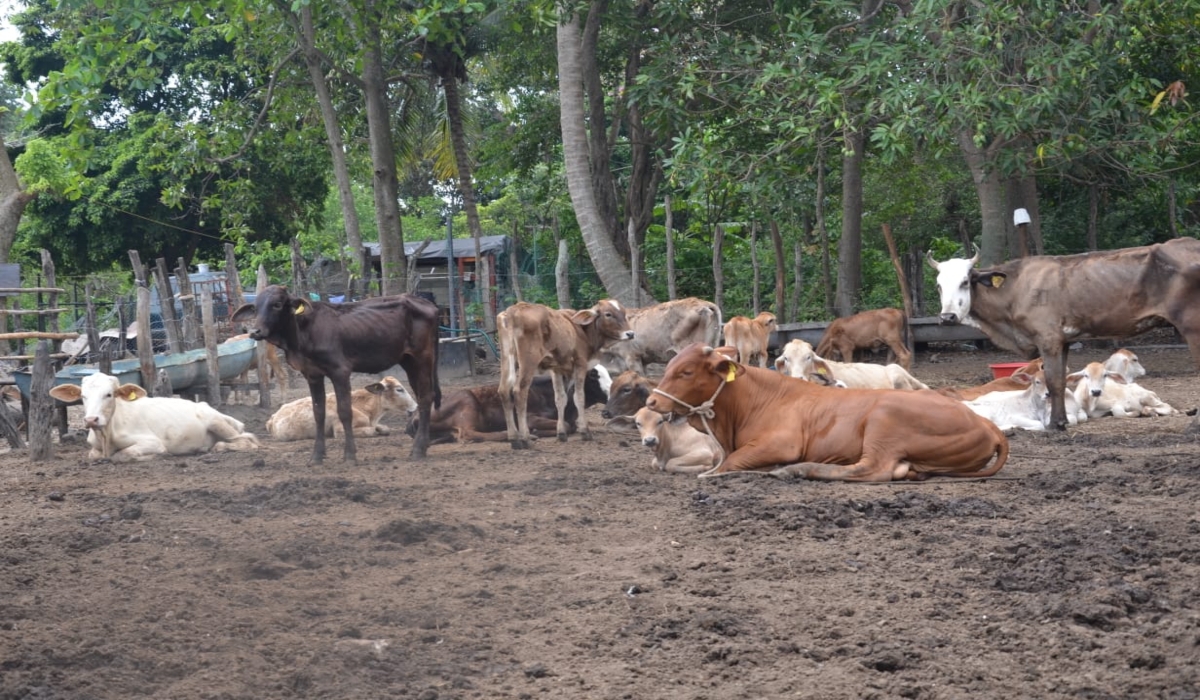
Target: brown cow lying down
(766,422)
(477,414)
(1017,381)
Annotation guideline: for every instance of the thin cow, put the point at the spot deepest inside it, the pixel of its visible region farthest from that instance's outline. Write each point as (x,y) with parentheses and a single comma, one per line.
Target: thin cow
(868,330)
(1040,304)
(322,340)
(789,427)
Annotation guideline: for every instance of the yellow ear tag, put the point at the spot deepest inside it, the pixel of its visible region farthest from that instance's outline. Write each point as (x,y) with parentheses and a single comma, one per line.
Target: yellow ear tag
(822,371)
(300,309)
(131,396)
(997,281)
(731,374)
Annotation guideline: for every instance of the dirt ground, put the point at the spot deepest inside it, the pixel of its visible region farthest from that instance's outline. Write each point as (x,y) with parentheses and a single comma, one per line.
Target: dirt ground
(573,571)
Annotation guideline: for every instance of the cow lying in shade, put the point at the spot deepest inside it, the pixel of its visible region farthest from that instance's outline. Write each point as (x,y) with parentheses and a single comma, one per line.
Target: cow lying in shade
(1027,409)
(1017,381)
(800,361)
(1101,392)
(124,424)
(477,414)
(766,422)
(294,420)
(678,447)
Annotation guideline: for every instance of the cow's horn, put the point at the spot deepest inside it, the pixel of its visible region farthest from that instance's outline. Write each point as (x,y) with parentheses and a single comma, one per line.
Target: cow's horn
(929,258)
(975,259)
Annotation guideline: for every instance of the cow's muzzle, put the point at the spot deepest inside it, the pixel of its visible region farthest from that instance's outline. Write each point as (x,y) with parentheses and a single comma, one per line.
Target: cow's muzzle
(1096,392)
(650,441)
(948,319)
(606,414)
(256,334)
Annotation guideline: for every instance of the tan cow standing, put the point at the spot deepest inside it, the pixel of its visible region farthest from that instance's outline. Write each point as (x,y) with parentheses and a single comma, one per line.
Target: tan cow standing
(766,422)
(750,337)
(866,331)
(536,338)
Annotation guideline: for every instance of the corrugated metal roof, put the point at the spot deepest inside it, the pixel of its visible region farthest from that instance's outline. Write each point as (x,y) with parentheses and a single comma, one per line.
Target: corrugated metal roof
(463,247)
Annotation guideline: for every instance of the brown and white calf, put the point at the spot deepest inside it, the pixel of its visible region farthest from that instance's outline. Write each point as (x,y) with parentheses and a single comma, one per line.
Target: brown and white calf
(1101,392)
(750,337)
(678,447)
(294,420)
(562,342)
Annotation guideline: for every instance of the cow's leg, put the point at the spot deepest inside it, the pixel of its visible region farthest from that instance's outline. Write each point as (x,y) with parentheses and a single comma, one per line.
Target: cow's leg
(521,409)
(316,390)
(230,436)
(584,431)
(903,356)
(560,403)
(864,470)
(146,447)
(345,412)
(749,458)
(422,378)
(1054,362)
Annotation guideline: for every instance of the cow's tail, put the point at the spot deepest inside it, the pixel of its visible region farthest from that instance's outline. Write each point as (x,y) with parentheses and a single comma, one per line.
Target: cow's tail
(1001,453)
(714,336)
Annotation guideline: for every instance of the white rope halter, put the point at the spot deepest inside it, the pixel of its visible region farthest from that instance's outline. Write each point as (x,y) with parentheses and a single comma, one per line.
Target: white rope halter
(704,410)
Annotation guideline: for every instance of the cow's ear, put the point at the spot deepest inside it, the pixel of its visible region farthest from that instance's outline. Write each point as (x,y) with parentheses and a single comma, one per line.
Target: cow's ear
(131,392)
(584,317)
(376,388)
(989,278)
(1022,377)
(1117,377)
(245,312)
(67,393)
(299,306)
(1074,378)
(728,369)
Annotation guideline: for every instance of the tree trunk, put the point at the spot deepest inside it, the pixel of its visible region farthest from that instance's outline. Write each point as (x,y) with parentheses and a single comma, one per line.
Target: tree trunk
(718,268)
(756,282)
(1172,211)
(849,275)
(333,131)
(780,278)
(1093,216)
(1029,198)
(393,267)
(13,200)
(990,190)
(823,232)
(597,236)
(466,186)
(603,183)
(562,283)
(635,265)
(669,232)
(797,280)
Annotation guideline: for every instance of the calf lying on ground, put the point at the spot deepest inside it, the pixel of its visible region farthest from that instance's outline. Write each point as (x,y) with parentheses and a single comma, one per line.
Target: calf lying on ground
(1027,409)
(628,394)
(797,359)
(1100,393)
(124,424)
(678,447)
(1017,381)
(294,420)
(477,414)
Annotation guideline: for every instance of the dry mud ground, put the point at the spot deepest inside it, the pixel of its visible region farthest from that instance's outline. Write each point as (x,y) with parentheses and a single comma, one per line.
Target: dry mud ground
(572,571)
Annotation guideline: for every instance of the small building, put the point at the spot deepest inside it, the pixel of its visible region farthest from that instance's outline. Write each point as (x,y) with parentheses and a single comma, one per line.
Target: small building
(434,283)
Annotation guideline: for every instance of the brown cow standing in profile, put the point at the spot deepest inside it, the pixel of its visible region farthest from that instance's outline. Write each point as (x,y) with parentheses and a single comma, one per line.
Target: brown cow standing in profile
(750,336)
(767,422)
(535,338)
(868,330)
(1040,304)
(322,340)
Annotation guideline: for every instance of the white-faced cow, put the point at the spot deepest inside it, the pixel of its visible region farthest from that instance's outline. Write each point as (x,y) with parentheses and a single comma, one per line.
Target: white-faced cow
(661,331)
(1037,305)
(750,337)
(765,421)
(322,340)
(1102,392)
(126,425)
(797,359)
(564,343)
(868,330)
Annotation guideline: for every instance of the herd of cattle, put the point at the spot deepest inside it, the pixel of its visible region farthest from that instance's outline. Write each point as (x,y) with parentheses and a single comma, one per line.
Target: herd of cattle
(717,408)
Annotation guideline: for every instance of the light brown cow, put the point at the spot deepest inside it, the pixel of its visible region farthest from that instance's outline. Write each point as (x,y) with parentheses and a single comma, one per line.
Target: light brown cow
(1017,381)
(678,447)
(868,330)
(797,359)
(278,372)
(294,420)
(750,337)
(535,338)
(661,331)
(766,422)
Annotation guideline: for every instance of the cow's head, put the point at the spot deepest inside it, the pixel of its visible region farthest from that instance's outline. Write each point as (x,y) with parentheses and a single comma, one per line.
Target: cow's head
(797,359)
(99,393)
(393,394)
(272,312)
(650,424)
(629,393)
(1093,377)
(766,319)
(955,278)
(693,376)
(1126,364)
(607,321)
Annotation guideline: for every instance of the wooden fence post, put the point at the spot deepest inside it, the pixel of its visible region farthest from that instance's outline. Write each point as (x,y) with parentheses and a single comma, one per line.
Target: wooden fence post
(166,303)
(210,347)
(191,332)
(41,404)
(145,337)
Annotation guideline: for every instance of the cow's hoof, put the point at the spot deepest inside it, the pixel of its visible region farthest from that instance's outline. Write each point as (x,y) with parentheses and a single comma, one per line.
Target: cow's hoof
(587,437)
(520,444)
(562,437)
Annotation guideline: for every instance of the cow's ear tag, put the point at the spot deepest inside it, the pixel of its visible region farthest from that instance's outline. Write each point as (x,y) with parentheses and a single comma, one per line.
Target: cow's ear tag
(822,371)
(997,281)
(732,373)
(300,308)
(131,396)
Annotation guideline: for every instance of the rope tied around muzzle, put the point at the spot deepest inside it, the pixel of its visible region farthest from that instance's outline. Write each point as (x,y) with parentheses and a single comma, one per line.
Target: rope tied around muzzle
(704,410)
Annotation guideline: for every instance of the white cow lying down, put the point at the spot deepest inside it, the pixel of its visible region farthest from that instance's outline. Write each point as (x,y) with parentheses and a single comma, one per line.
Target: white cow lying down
(799,360)
(1027,409)
(1102,392)
(294,420)
(124,424)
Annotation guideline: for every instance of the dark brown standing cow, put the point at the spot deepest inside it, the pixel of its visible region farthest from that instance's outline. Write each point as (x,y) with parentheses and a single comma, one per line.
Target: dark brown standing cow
(333,340)
(765,421)
(868,330)
(662,330)
(477,414)
(1037,305)
(750,337)
(535,338)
